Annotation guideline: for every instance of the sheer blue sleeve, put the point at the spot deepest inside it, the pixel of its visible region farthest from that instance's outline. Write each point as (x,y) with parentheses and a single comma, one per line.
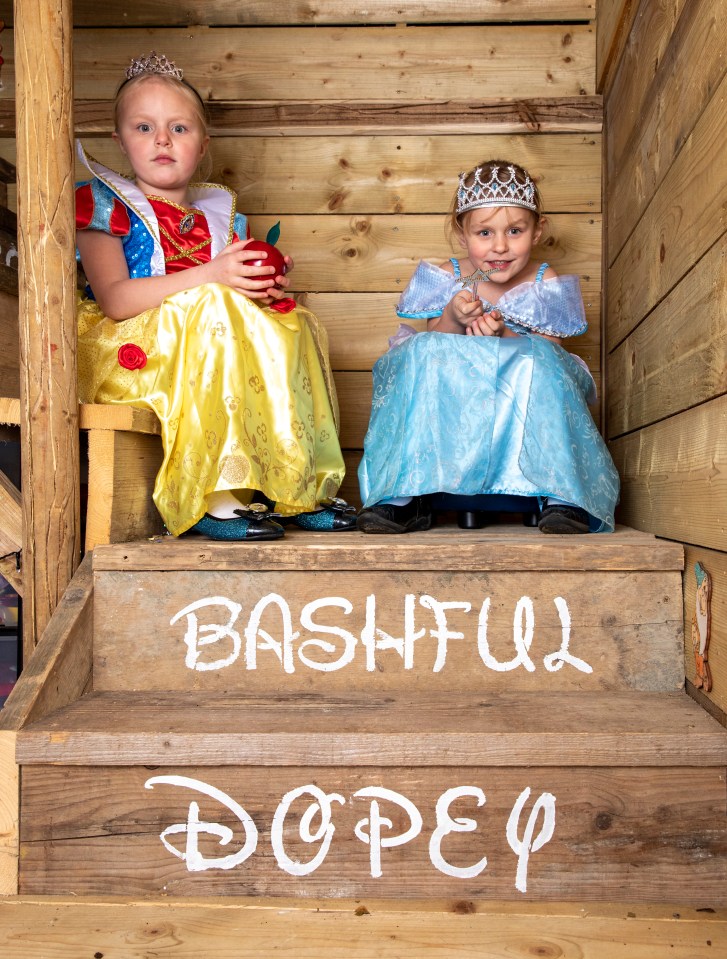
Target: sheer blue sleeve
(428,292)
(554,307)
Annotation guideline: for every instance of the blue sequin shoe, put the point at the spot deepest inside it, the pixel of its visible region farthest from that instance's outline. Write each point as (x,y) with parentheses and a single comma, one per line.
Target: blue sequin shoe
(252,522)
(335,516)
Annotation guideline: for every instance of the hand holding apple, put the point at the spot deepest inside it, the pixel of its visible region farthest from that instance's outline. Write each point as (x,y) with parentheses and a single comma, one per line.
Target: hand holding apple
(269,256)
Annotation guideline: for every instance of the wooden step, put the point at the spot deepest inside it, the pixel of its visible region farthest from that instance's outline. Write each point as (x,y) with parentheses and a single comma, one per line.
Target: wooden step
(495,729)
(443,611)
(605,796)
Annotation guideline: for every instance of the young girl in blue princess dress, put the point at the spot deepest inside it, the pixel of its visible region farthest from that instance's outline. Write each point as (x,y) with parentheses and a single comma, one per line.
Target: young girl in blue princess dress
(487,402)
(180,318)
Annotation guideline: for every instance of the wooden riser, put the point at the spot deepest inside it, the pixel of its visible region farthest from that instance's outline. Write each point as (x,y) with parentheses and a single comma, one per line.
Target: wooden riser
(446,611)
(609,834)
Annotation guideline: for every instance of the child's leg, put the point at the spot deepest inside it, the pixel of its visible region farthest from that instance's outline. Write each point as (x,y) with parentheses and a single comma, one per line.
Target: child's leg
(223,503)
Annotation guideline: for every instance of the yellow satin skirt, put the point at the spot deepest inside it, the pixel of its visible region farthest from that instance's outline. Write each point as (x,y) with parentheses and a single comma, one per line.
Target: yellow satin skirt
(244,395)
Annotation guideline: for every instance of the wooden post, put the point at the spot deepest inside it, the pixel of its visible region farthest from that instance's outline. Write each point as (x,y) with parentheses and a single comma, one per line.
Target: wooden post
(46,240)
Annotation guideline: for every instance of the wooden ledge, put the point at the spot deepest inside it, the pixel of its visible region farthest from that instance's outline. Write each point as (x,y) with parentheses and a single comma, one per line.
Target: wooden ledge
(95,416)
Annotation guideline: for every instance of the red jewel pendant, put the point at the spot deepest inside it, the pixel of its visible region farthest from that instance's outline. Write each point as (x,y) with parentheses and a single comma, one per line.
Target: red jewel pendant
(186,223)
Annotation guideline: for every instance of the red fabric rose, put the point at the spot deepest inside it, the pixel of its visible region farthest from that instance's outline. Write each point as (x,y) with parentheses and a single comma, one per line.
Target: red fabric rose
(284,306)
(132,357)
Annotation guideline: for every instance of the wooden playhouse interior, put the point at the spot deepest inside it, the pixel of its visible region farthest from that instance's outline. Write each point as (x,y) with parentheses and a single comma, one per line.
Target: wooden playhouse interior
(349,123)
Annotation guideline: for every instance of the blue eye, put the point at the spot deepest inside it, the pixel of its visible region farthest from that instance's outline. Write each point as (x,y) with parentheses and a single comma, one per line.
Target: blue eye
(179,128)
(143,127)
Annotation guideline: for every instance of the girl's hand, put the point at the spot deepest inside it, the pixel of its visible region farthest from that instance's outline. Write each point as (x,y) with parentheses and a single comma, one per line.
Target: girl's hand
(489,324)
(231,268)
(463,309)
(277,292)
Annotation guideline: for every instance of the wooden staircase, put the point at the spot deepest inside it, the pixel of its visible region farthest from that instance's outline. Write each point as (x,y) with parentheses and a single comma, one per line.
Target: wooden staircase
(489,715)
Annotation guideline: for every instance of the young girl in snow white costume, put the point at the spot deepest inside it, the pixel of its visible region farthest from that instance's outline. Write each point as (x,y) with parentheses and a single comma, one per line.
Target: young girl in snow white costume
(183,317)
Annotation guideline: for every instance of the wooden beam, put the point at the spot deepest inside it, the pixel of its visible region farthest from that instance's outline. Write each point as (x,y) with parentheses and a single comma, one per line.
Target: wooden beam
(9,356)
(11,520)
(95,416)
(613,25)
(57,674)
(582,114)
(60,669)
(49,441)
(11,573)
(145,13)
(9,814)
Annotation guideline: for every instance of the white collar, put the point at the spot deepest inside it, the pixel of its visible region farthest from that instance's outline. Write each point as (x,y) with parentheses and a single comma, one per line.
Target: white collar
(218,203)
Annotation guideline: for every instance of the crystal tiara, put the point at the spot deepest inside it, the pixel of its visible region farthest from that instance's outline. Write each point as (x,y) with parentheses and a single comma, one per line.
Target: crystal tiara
(502,189)
(154,63)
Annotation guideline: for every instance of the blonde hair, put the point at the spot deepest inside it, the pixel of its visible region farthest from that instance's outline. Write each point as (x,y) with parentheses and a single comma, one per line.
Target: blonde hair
(186,88)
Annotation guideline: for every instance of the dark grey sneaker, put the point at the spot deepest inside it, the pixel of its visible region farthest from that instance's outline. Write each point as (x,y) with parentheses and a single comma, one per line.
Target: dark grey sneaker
(386,518)
(564,519)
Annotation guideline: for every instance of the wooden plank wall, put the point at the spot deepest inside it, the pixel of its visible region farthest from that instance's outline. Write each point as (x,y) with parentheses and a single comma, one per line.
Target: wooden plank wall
(662,71)
(350,126)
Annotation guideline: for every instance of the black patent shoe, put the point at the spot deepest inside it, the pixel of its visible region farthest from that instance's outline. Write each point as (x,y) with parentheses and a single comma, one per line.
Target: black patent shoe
(334,516)
(564,519)
(252,522)
(387,518)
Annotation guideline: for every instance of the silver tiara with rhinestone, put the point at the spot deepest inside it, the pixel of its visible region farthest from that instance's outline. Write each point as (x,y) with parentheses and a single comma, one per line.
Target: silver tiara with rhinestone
(154,63)
(502,189)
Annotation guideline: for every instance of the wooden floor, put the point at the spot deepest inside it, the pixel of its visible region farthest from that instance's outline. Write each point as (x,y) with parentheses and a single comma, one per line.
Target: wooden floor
(54,928)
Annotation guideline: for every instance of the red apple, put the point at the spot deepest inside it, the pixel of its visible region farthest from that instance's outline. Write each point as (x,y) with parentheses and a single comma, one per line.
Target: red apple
(270,256)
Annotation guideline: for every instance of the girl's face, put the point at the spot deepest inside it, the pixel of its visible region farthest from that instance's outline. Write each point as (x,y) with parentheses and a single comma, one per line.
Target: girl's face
(162,134)
(500,238)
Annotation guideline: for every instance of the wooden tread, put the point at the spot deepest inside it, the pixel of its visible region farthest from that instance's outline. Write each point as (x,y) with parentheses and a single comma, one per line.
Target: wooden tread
(505,547)
(541,729)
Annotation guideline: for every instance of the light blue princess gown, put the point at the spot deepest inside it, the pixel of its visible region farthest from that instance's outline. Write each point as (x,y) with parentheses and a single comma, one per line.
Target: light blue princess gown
(478,415)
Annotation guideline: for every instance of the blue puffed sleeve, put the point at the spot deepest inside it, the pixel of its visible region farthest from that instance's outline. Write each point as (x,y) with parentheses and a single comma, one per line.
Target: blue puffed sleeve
(428,292)
(240,226)
(98,208)
(554,307)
